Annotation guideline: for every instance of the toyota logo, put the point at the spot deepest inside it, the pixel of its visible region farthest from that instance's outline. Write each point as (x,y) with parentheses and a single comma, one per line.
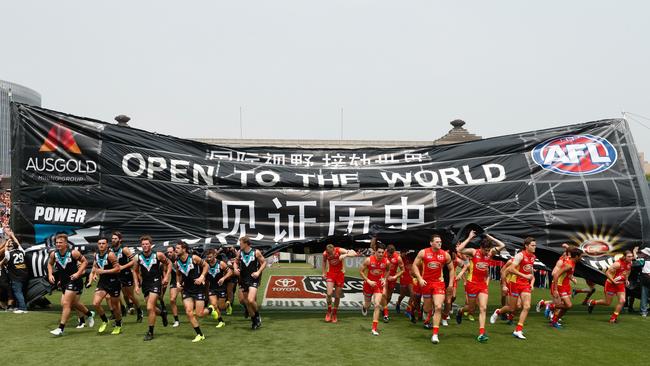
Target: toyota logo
(285,282)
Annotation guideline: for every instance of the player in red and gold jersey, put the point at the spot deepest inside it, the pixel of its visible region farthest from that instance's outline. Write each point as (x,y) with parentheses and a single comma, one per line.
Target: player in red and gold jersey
(460,264)
(507,279)
(522,267)
(405,280)
(396,270)
(478,277)
(617,275)
(427,268)
(373,271)
(561,285)
(549,305)
(334,274)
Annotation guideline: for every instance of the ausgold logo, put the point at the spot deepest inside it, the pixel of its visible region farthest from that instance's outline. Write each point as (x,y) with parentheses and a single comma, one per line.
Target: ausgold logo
(60,136)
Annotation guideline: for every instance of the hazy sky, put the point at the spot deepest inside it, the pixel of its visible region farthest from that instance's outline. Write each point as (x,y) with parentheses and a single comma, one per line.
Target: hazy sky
(399,69)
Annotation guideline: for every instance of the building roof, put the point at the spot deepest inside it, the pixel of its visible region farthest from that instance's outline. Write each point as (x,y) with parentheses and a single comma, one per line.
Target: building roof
(455,135)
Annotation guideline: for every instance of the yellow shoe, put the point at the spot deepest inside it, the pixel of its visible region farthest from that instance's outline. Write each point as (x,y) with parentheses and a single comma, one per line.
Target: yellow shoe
(228,308)
(214,313)
(221,324)
(116,330)
(198,338)
(102,327)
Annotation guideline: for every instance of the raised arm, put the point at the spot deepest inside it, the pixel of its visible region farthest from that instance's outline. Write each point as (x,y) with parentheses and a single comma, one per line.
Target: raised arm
(461,247)
(500,244)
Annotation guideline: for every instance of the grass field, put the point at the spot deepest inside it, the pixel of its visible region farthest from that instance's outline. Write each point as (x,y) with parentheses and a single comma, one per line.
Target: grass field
(303,338)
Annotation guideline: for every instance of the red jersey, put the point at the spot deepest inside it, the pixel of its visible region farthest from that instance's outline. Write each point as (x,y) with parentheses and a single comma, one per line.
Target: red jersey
(433,262)
(565,278)
(479,267)
(526,266)
(335,263)
(624,269)
(394,263)
(377,268)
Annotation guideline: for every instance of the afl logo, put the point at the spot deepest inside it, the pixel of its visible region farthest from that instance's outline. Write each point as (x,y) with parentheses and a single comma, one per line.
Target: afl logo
(595,248)
(285,282)
(575,155)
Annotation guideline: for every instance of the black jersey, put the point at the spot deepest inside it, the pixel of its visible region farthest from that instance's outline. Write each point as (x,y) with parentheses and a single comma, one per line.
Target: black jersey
(66,265)
(122,259)
(150,268)
(248,264)
(215,273)
(189,272)
(16,265)
(102,262)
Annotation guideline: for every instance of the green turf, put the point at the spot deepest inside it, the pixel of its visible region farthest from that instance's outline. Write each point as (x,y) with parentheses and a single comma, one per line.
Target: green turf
(303,338)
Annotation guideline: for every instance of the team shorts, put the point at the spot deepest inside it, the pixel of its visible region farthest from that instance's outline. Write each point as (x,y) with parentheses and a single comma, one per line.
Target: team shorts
(153,288)
(371,290)
(337,277)
(197,296)
(218,292)
(112,288)
(472,289)
(406,279)
(245,285)
(612,289)
(76,286)
(516,289)
(126,281)
(434,288)
(564,290)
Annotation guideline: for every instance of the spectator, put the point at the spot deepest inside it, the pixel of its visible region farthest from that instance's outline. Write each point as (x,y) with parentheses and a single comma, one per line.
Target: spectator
(6,298)
(5,208)
(644,258)
(14,257)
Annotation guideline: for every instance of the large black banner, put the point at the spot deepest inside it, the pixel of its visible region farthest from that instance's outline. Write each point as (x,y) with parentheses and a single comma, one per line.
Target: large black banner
(581,184)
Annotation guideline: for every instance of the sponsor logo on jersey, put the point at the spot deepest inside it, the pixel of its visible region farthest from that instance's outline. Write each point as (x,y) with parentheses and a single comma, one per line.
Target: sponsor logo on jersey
(482,266)
(528,268)
(575,154)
